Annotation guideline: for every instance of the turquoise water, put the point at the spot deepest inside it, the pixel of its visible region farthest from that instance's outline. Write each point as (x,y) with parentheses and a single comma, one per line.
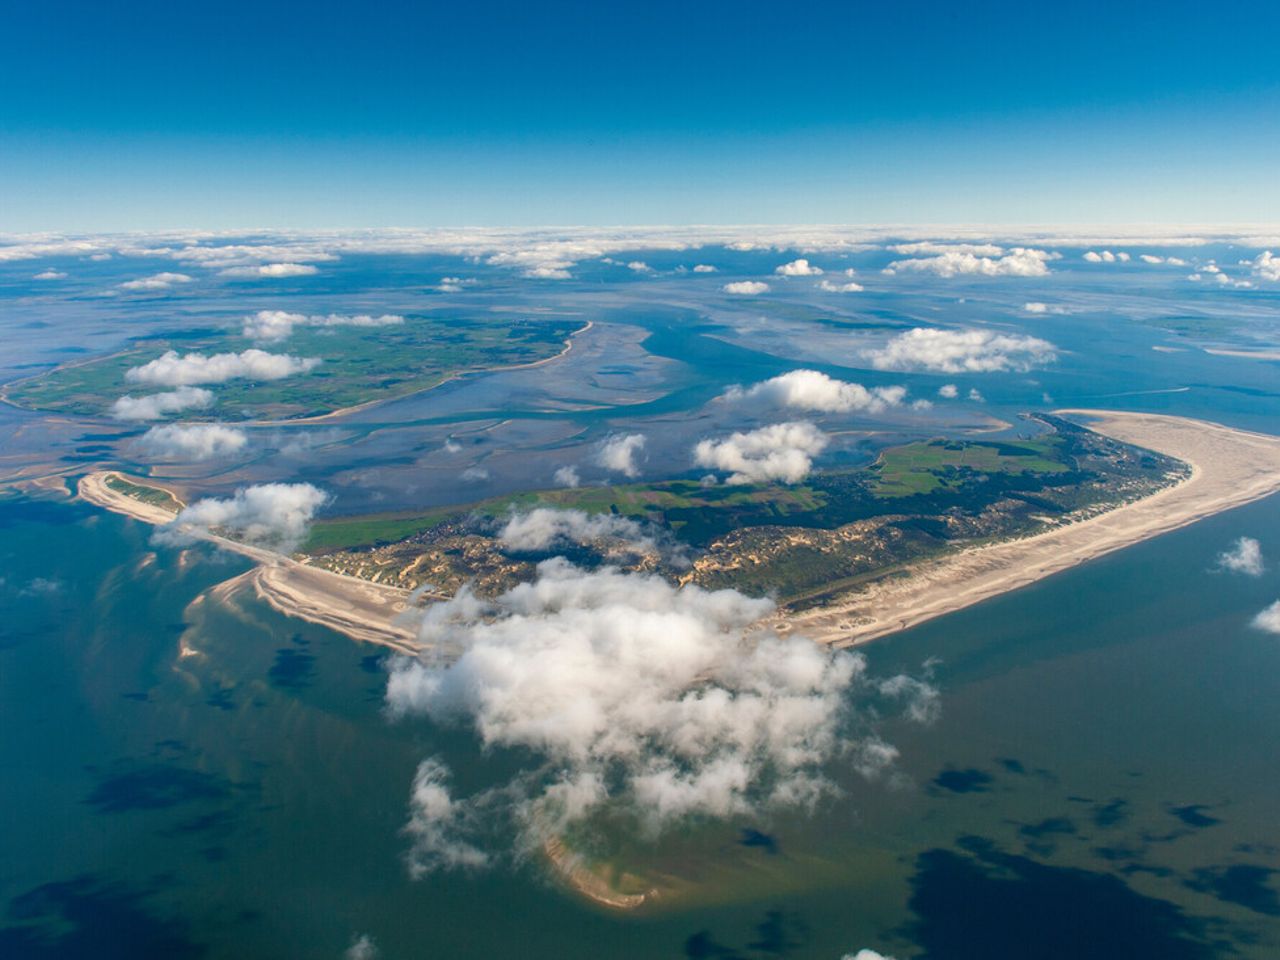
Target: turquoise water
(215,780)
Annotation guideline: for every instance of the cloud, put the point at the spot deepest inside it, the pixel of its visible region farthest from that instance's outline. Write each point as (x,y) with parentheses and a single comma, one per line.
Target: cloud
(547,273)
(781,451)
(1266,266)
(274,515)
(362,948)
(930,248)
(948,391)
(270,270)
(923,701)
(50,275)
(848,286)
(1269,619)
(1018,262)
(961,351)
(1106,256)
(193,442)
(1036,306)
(567,477)
(619,453)
(798,268)
(639,266)
(704,268)
(1245,556)
(1211,271)
(437,822)
(171,370)
(747,288)
(455,284)
(478,474)
(159,281)
(156,405)
(866,954)
(812,390)
(652,699)
(544,528)
(1150,258)
(276,325)
(976,395)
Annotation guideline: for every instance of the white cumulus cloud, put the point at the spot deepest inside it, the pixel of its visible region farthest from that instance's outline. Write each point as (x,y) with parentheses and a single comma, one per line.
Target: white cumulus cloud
(948,391)
(931,248)
(157,405)
(780,451)
(274,515)
(813,390)
(620,453)
(747,288)
(798,268)
(1266,266)
(566,477)
(1269,619)
(847,286)
(276,325)
(544,528)
(961,351)
(159,281)
(270,271)
(172,370)
(704,268)
(1245,556)
(50,275)
(201,441)
(1106,256)
(652,699)
(362,947)
(1018,262)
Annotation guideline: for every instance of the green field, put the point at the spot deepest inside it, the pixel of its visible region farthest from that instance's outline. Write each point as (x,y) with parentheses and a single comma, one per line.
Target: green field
(797,543)
(922,468)
(154,496)
(919,479)
(359,364)
(671,502)
(343,533)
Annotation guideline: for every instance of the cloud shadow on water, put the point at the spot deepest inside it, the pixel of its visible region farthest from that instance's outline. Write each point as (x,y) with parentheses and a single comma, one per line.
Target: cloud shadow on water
(971,780)
(293,669)
(155,788)
(981,902)
(1246,885)
(84,917)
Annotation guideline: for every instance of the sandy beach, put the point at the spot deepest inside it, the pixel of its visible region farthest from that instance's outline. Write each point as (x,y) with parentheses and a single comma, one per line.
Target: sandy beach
(1228,468)
(363,610)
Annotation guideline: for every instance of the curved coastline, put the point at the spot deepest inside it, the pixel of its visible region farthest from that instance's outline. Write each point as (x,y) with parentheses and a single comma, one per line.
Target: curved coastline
(361,609)
(1229,468)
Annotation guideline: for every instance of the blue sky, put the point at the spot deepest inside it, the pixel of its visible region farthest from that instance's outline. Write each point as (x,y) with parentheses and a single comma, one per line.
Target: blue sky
(154,115)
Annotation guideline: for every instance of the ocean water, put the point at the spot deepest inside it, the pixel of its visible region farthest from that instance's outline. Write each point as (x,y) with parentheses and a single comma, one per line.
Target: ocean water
(188,774)
(211,779)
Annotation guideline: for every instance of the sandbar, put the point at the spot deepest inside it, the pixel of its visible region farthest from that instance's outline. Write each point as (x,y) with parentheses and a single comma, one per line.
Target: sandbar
(363,610)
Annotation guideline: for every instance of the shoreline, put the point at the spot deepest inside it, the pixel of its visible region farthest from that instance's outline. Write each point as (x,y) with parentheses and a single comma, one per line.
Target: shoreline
(1229,468)
(361,609)
(5,388)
